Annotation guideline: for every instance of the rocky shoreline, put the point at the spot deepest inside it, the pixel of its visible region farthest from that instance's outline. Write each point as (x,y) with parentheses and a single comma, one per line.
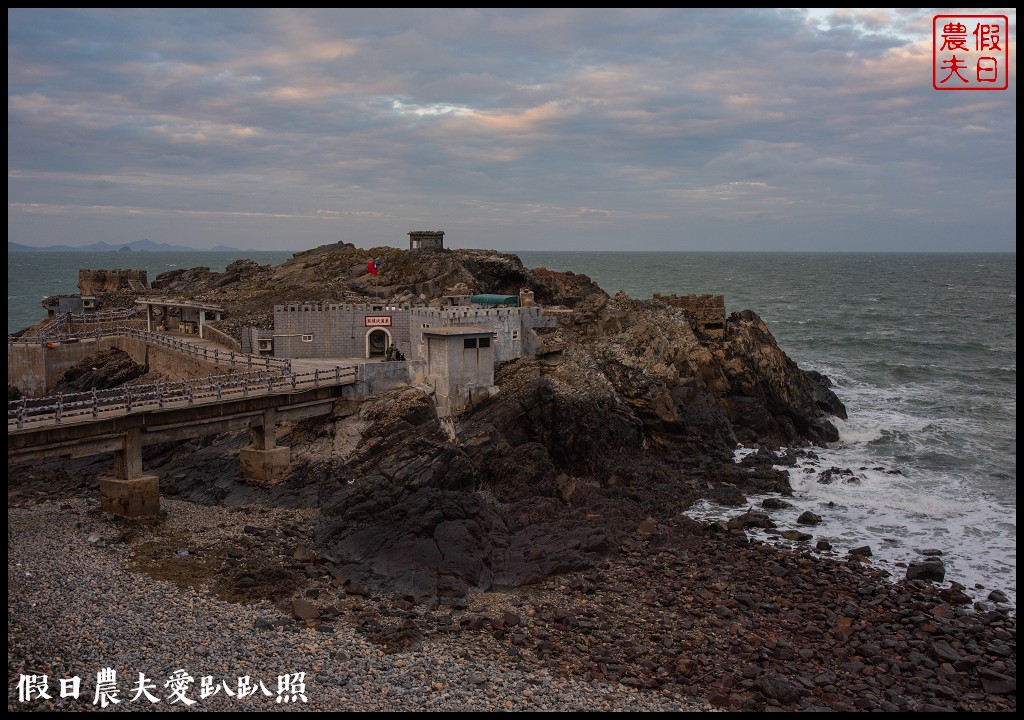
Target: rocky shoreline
(684,618)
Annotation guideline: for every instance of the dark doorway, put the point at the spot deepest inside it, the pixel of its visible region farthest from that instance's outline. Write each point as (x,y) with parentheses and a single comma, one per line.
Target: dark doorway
(377,343)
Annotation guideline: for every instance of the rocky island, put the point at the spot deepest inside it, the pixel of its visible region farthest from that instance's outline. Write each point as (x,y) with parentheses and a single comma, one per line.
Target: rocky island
(532,552)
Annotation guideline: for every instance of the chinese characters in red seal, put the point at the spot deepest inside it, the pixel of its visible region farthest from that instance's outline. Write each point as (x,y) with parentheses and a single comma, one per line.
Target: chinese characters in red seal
(970,52)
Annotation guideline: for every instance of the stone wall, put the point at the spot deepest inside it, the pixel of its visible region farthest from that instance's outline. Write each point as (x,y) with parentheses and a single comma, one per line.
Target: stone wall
(214,335)
(327,330)
(35,368)
(513,327)
(705,312)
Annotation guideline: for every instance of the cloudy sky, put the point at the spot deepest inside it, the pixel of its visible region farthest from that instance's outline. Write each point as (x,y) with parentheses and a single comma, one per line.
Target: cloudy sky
(516,129)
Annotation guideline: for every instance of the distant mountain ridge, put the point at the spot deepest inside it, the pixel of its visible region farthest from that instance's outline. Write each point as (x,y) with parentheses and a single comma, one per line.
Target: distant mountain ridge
(135,246)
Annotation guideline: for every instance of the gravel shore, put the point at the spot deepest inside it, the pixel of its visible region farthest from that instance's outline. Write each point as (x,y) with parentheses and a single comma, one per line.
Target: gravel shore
(76,605)
(682,620)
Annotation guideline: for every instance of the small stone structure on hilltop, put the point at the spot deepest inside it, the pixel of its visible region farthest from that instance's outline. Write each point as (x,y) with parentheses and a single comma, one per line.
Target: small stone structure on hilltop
(426,240)
(705,312)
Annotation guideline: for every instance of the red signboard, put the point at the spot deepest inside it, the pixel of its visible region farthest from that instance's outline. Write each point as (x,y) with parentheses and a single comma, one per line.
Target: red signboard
(377,321)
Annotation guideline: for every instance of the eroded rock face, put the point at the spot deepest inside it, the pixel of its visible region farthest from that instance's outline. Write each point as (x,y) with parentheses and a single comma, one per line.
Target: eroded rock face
(100,282)
(106,369)
(770,399)
(742,388)
(202,278)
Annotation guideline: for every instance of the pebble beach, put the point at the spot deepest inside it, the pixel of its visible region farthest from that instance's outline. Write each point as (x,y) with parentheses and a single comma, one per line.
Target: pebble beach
(75,607)
(682,620)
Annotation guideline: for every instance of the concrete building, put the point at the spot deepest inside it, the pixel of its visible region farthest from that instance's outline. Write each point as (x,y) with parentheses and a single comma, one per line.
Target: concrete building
(460,367)
(513,327)
(178,316)
(77,305)
(347,330)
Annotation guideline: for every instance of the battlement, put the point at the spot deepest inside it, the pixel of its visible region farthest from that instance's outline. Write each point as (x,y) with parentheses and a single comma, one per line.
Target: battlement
(472,311)
(337,307)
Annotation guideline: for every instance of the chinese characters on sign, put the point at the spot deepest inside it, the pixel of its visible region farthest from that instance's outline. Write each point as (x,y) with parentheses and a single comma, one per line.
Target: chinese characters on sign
(180,688)
(377,321)
(970,52)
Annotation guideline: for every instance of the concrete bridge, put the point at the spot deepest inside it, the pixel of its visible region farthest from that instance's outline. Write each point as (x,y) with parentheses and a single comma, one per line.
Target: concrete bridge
(125,420)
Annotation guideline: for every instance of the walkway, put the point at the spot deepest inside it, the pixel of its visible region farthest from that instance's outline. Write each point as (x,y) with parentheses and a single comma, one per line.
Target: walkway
(257,376)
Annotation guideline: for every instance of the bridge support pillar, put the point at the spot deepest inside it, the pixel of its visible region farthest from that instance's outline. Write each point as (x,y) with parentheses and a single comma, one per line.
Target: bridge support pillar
(132,497)
(264,467)
(265,463)
(129,493)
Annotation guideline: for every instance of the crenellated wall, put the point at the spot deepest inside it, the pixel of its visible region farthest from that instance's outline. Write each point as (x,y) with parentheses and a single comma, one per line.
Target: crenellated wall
(342,330)
(513,327)
(327,330)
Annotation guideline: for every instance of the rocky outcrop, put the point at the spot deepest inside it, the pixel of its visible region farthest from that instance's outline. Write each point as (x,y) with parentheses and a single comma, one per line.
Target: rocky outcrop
(201,279)
(101,282)
(106,369)
(337,273)
(691,391)
(769,399)
(410,510)
(638,420)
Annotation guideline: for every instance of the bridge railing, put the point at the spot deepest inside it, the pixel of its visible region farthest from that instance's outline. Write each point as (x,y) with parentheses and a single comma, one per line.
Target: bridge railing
(234,358)
(55,328)
(215,355)
(63,325)
(57,409)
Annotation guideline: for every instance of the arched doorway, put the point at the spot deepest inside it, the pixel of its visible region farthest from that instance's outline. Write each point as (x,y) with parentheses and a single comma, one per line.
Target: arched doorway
(377,341)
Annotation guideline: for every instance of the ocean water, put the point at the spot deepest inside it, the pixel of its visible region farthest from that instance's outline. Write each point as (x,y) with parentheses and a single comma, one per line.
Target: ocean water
(922,349)
(34,276)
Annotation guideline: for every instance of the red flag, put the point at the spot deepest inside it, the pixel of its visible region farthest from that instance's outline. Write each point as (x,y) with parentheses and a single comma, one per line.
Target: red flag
(373,266)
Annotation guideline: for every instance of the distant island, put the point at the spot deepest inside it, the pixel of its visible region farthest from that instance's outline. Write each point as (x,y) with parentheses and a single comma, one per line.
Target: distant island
(137,246)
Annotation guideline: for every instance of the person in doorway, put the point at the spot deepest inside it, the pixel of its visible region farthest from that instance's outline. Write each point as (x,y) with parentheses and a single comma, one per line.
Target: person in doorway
(389,354)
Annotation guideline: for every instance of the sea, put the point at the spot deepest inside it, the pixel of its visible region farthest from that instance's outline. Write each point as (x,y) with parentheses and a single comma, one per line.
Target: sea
(920,347)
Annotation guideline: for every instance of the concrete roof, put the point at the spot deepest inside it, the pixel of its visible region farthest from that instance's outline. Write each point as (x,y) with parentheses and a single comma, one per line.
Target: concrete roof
(170,302)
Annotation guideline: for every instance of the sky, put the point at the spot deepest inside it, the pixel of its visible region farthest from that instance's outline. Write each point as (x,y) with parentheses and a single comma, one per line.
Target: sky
(510,129)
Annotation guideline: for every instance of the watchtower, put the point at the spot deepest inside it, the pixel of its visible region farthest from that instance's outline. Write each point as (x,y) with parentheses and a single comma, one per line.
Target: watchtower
(426,240)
